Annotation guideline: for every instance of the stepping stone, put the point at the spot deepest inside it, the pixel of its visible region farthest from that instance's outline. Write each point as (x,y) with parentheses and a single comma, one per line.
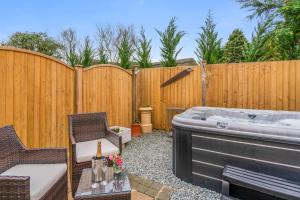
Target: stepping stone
(156,186)
(151,192)
(164,194)
(148,188)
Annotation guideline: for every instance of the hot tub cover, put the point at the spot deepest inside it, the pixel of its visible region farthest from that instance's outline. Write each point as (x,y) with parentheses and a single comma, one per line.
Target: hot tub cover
(281,126)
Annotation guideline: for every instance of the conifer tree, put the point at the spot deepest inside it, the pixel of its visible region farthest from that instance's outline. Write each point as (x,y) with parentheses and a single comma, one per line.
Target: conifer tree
(170,39)
(208,43)
(103,58)
(125,49)
(235,47)
(143,50)
(87,55)
(284,16)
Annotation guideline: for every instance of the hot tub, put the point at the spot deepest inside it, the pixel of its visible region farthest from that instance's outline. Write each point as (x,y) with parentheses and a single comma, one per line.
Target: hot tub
(205,139)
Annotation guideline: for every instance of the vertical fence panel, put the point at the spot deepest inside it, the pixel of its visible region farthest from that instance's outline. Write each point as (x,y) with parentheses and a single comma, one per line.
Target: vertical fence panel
(268,86)
(292,86)
(32,94)
(3,80)
(297,69)
(108,88)
(259,85)
(9,94)
(183,93)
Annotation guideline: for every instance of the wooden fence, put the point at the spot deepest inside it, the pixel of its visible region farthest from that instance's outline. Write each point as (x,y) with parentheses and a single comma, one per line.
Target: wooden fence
(183,93)
(38,92)
(108,88)
(258,85)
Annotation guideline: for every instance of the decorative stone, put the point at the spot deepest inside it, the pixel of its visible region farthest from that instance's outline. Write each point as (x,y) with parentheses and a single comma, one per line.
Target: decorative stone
(158,168)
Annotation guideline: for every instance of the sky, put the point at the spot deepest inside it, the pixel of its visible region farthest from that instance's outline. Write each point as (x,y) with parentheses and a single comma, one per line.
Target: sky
(53,16)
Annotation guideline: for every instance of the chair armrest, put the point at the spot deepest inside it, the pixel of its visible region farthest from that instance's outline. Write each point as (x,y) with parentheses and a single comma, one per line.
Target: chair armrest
(72,139)
(114,138)
(44,156)
(73,153)
(72,149)
(15,187)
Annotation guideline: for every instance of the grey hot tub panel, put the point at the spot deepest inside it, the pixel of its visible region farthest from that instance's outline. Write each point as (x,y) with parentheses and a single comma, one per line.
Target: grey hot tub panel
(210,149)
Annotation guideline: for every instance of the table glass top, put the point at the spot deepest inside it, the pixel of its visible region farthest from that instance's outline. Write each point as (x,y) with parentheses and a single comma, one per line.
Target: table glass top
(113,184)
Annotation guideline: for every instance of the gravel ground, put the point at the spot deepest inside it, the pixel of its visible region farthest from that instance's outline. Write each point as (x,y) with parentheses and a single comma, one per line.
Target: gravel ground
(150,156)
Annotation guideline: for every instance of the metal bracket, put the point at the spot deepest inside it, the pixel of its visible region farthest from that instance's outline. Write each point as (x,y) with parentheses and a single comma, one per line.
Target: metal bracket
(178,76)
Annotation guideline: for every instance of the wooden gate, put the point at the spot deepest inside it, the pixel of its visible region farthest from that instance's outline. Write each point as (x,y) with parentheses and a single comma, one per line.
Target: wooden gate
(107,88)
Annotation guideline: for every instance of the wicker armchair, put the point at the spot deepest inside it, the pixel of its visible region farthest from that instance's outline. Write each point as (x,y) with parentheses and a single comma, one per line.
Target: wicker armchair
(15,155)
(83,128)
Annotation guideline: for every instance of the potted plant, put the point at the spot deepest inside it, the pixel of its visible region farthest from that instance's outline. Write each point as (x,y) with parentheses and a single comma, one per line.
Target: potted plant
(136,129)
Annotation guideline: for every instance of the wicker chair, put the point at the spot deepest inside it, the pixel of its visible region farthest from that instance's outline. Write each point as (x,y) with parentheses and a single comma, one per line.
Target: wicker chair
(88,127)
(18,186)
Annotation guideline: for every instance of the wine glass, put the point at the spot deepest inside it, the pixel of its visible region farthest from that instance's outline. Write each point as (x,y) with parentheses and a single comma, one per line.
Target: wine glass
(94,174)
(104,172)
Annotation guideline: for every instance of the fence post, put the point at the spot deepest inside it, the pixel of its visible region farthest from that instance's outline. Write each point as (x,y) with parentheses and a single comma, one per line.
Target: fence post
(78,88)
(204,82)
(134,114)
(135,71)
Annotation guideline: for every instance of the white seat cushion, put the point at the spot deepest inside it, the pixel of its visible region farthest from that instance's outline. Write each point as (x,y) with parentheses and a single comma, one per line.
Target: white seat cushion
(42,176)
(86,150)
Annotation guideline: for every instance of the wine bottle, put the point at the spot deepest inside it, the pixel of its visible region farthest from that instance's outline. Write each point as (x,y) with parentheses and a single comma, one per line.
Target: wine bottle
(99,151)
(98,165)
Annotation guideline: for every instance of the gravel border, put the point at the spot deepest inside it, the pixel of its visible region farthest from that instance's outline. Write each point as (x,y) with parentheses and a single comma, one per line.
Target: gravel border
(150,156)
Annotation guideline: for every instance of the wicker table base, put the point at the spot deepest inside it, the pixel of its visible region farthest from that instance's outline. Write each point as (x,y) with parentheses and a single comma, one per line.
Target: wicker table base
(117,188)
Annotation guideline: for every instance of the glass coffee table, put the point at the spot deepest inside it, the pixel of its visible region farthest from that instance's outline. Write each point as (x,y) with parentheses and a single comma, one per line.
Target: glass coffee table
(116,188)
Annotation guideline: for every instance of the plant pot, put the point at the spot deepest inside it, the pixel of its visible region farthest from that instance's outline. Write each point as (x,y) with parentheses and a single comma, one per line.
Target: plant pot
(136,130)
